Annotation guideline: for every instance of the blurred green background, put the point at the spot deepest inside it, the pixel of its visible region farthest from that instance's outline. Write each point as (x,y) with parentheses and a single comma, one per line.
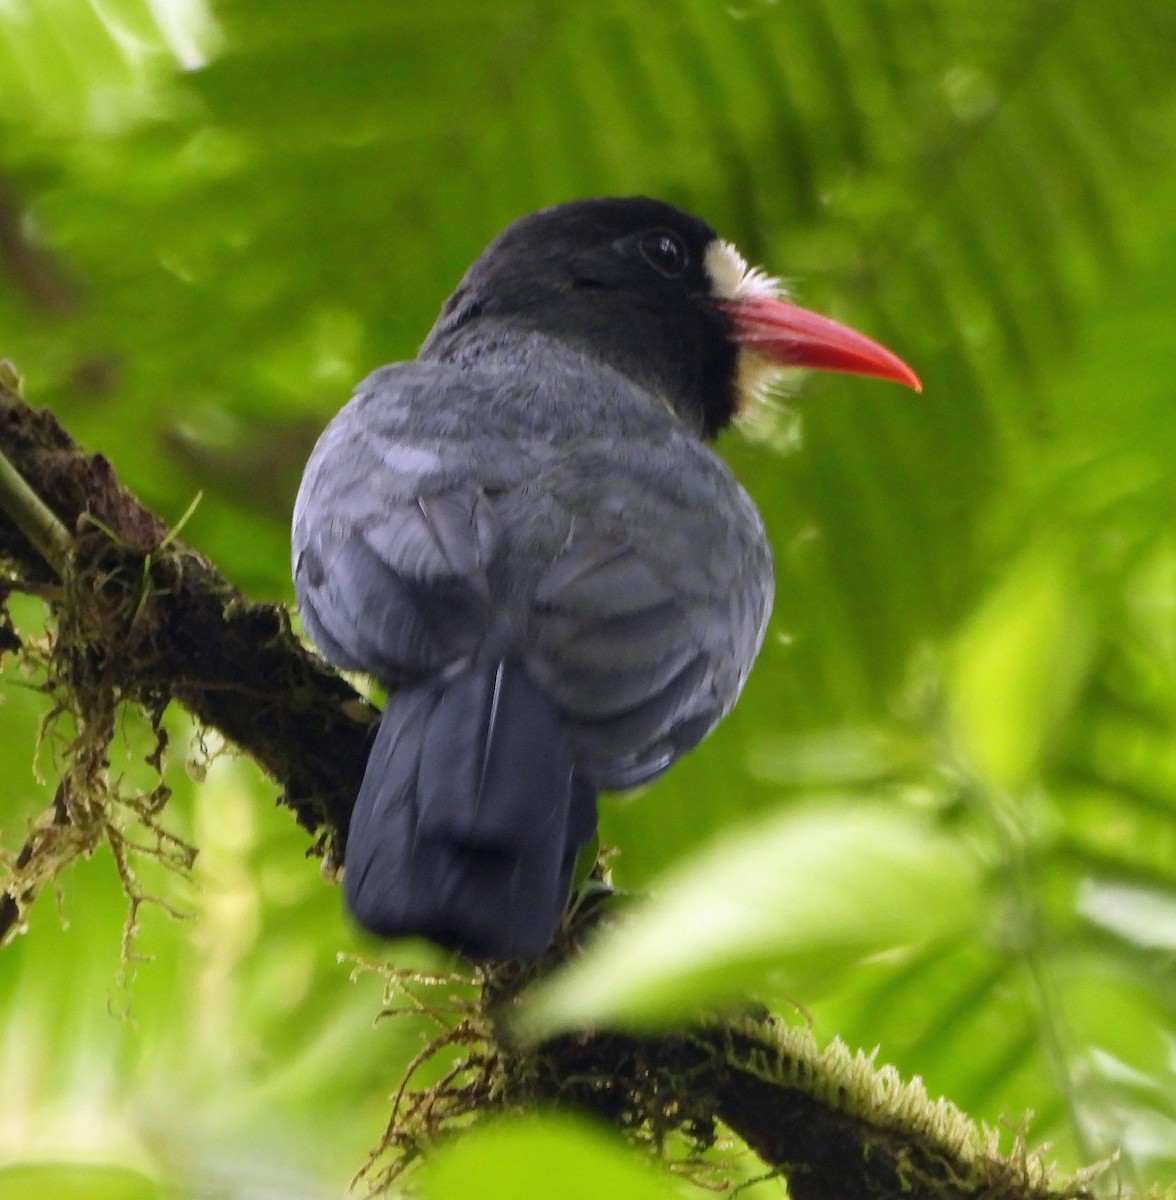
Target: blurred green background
(217,215)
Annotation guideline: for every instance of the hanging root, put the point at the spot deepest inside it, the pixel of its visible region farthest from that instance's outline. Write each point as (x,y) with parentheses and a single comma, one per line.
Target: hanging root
(91,666)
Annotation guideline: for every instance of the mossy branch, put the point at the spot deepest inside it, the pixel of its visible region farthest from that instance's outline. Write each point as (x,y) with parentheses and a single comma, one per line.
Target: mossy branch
(832,1122)
(150,620)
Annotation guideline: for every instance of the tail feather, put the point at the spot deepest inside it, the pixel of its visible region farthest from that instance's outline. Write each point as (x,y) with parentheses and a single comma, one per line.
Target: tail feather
(496,766)
(469,817)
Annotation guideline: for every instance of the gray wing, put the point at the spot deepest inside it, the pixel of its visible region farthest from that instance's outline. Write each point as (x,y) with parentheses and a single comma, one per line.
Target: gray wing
(648,622)
(392,538)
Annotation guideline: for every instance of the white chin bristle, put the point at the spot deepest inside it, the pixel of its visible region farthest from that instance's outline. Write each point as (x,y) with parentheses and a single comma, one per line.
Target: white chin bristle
(732,279)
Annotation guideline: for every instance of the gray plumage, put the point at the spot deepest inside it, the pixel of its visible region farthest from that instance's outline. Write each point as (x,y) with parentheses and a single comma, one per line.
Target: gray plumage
(543,509)
(564,591)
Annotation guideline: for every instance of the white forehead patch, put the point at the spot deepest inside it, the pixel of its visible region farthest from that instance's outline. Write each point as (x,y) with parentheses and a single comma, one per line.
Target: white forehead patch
(732,279)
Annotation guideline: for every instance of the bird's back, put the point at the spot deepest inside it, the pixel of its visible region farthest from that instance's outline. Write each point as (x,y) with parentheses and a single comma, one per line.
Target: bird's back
(533,505)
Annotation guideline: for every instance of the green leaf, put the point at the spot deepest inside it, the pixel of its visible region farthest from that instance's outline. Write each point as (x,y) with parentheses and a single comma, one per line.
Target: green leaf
(1018,666)
(537,1158)
(801,894)
(65,1181)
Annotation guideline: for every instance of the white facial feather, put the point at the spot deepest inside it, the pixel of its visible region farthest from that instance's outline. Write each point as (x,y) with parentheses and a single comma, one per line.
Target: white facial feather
(732,278)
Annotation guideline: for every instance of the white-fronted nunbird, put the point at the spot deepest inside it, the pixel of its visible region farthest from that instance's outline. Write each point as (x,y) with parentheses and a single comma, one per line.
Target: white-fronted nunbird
(523,534)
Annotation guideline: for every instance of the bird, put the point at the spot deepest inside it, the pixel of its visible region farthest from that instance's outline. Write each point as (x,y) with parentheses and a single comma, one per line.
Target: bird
(525,536)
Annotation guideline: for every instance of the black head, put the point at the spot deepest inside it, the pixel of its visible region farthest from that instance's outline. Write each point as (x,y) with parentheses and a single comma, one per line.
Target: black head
(627,281)
(654,293)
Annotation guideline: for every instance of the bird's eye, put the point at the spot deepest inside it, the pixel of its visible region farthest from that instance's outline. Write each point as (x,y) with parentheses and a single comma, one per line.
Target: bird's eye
(665,254)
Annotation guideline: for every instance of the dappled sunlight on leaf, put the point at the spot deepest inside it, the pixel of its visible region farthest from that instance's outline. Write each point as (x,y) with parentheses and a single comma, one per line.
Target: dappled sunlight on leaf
(802,894)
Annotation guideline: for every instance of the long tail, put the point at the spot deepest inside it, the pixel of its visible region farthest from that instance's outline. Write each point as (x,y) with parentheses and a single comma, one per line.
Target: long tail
(470,816)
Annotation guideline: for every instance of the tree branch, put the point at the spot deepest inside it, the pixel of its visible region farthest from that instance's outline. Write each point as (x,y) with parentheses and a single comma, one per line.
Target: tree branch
(832,1123)
(157,621)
